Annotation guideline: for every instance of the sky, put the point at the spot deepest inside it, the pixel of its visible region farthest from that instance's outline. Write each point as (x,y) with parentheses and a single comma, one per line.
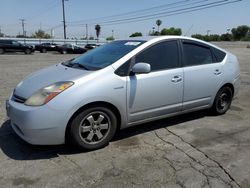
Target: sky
(47,14)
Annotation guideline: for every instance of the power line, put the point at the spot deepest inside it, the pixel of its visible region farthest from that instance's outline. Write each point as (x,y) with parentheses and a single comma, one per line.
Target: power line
(168,13)
(47,9)
(132,12)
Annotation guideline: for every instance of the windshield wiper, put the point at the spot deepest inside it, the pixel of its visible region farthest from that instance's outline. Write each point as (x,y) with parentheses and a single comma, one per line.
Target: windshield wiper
(81,66)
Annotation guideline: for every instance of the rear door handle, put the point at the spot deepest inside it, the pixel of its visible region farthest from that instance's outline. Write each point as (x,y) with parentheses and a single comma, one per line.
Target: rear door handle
(176,79)
(217,72)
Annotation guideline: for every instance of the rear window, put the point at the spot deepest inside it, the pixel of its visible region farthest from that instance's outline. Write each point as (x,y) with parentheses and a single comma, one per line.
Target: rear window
(220,55)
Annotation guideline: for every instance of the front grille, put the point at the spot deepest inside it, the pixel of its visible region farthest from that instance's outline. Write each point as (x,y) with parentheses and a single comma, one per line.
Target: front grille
(18,99)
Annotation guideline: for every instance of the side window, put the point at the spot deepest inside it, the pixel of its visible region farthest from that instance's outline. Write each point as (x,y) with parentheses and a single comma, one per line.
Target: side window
(196,54)
(160,56)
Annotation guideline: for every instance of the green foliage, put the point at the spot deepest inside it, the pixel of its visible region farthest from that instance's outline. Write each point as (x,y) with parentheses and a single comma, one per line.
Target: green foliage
(158,23)
(41,34)
(198,36)
(208,38)
(136,34)
(240,32)
(171,31)
(110,38)
(226,37)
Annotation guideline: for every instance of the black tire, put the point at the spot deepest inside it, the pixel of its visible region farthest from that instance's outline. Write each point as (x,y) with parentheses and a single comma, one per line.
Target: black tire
(27,51)
(222,101)
(1,51)
(43,50)
(64,52)
(93,128)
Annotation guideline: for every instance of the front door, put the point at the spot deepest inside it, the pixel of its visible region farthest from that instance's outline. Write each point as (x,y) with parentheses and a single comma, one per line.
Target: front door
(159,92)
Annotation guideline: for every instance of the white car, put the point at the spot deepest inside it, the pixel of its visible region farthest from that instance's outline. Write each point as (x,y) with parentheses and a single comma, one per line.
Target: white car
(121,84)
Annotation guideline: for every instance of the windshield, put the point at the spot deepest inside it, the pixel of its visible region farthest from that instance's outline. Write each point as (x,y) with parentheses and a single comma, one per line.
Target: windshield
(105,55)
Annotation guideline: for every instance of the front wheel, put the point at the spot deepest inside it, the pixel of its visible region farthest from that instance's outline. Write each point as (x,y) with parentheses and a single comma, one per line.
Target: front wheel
(222,100)
(93,128)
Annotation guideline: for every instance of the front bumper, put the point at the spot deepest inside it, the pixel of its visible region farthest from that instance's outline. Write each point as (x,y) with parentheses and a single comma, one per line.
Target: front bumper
(37,125)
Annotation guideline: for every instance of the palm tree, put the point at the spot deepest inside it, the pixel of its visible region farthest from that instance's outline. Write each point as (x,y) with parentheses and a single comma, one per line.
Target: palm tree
(98,30)
(158,23)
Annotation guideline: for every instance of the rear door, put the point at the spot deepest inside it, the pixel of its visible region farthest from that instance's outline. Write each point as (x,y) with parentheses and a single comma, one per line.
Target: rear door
(202,75)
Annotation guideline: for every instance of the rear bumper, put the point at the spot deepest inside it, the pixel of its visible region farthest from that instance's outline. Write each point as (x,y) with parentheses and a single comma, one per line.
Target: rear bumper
(37,125)
(236,84)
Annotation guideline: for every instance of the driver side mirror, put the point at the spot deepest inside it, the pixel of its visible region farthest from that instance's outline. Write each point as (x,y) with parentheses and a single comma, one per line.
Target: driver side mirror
(141,68)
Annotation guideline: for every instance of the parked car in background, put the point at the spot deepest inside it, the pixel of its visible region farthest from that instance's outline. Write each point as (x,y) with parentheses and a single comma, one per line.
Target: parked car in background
(44,47)
(121,84)
(70,48)
(15,46)
(91,46)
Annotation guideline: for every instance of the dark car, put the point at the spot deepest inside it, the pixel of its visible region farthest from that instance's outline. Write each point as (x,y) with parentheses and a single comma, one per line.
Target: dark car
(91,46)
(70,48)
(44,47)
(14,46)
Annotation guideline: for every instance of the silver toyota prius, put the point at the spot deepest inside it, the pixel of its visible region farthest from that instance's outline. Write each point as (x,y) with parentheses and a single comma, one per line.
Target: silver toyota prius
(123,83)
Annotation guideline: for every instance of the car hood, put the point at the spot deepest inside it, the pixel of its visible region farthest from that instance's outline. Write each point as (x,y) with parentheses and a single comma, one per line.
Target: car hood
(47,76)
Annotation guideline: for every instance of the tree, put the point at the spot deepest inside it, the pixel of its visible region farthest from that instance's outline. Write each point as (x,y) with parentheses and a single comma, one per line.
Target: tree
(171,31)
(240,32)
(158,23)
(41,34)
(136,34)
(98,31)
(226,37)
(111,38)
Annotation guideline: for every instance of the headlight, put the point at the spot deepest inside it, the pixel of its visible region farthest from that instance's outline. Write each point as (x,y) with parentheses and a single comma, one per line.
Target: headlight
(47,93)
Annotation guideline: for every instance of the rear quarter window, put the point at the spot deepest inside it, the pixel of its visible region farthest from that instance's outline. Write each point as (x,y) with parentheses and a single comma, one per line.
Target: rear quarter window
(219,55)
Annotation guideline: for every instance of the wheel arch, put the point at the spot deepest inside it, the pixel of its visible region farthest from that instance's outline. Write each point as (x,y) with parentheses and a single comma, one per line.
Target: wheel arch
(94,104)
(231,86)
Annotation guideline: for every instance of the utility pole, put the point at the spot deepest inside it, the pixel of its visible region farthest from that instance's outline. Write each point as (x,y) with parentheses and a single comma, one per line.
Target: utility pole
(208,31)
(64,22)
(87,33)
(23,20)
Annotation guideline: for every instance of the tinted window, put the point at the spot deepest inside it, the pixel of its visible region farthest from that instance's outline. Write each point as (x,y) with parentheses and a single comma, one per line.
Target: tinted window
(160,56)
(220,55)
(195,54)
(124,69)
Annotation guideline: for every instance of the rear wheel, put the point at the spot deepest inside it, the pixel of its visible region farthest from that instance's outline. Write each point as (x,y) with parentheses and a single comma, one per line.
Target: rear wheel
(1,51)
(43,50)
(93,128)
(222,100)
(27,51)
(64,52)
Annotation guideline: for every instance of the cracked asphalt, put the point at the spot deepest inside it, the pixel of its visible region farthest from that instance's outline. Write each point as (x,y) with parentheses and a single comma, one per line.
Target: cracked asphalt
(191,150)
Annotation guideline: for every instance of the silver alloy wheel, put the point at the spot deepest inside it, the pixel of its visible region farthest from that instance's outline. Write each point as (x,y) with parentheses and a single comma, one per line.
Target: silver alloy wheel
(94,127)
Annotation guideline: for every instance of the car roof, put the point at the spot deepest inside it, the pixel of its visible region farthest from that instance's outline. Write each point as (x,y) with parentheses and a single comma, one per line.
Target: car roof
(165,37)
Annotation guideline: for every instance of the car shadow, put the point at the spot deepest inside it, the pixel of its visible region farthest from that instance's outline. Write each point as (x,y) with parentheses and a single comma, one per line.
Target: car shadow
(15,148)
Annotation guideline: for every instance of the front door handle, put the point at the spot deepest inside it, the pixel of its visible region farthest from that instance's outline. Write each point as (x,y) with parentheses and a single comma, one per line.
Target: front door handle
(176,79)
(217,72)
